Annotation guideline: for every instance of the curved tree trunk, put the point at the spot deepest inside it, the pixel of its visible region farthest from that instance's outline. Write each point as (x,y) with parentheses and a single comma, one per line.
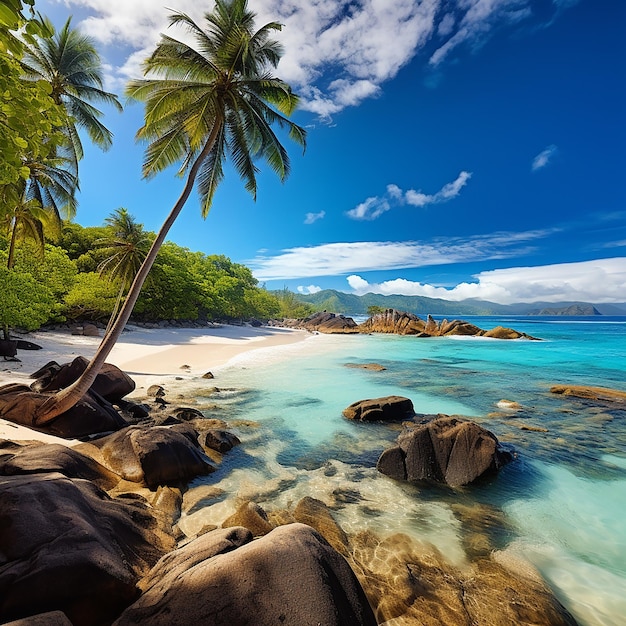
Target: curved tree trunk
(12,244)
(66,398)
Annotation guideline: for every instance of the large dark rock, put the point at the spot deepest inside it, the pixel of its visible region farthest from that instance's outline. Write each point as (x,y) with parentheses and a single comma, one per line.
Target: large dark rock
(154,455)
(221,440)
(67,546)
(8,347)
(111,382)
(389,408)
(446,450)
(43,458)
(90,415)
(290,577)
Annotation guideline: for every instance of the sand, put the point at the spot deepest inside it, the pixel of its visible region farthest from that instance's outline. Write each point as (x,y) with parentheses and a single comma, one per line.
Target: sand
(148,355)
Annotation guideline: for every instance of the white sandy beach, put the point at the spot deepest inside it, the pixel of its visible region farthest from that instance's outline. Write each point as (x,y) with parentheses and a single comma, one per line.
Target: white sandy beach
(147,355)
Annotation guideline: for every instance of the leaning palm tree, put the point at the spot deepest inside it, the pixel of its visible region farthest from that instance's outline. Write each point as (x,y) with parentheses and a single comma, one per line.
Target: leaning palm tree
(70,63)
(203,104)
(124,252)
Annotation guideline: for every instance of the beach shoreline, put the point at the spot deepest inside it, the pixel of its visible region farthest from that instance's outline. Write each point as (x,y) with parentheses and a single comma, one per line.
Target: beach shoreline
(149,356)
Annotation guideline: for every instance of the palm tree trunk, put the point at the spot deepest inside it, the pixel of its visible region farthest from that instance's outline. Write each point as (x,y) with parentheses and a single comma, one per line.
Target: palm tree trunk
(66,398)
(12,244)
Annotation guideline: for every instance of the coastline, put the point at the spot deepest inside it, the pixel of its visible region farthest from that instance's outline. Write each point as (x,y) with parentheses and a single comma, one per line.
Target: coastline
(148,356)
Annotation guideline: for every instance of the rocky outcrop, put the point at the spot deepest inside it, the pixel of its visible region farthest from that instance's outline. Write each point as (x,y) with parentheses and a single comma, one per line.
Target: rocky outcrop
(250,516)
(329,323)
(403,323)
(389,408)
(42,458)
(67,546)
(91,415)
(220,440)
(111,383)
(446,450)
(290,577)
(152,455)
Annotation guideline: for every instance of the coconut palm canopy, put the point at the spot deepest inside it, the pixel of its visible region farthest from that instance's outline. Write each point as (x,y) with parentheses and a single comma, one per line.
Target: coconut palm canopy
(216,99)
(203,104)
(70,63)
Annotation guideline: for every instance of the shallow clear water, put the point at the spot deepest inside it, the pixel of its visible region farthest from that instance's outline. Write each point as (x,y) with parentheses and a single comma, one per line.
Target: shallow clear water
(563,500)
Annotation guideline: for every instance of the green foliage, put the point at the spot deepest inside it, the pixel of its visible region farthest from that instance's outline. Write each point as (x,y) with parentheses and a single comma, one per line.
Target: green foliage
(90,297)
(29,126)
(54,270)
(374,309)
(290,306)
(25,303)
(80,244)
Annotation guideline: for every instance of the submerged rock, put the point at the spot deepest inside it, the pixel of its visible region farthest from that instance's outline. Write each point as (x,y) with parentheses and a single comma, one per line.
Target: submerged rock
(410,583)
(596,394)
(446,450)
(290,577)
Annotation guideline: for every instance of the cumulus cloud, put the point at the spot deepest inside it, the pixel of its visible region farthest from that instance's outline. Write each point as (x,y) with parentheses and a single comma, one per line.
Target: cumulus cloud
(337,52)
(598,281)
(375,206)
(308,289)
(348,258)
(544,157)
(311,218)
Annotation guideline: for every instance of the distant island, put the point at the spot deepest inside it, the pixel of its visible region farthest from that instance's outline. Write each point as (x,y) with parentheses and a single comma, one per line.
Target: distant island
(351,304)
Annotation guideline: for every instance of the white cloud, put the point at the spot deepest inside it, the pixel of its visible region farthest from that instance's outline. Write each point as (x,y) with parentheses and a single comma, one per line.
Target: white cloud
(309,289)
(479,17)
(335,259)
(370,209)
(598,281)
(311,218)
(337,52)
(374,207)
(544,157)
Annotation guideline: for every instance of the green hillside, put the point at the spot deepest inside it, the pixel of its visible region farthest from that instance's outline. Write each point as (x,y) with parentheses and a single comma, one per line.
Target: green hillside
(350,304)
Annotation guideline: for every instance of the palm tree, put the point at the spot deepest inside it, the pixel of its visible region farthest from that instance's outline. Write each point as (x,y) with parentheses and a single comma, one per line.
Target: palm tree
(70,63)
(125,251)
(47,194)
(203,104)
(40,202)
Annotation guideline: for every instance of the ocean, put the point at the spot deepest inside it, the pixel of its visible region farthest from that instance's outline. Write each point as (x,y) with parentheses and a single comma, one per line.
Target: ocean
(561,504)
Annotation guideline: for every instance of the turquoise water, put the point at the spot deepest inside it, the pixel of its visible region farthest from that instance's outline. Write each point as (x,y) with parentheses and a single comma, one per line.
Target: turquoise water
(562,501)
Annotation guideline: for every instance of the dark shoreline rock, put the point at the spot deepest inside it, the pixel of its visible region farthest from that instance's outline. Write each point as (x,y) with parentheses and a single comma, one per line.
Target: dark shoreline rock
(445,450)
(389,408)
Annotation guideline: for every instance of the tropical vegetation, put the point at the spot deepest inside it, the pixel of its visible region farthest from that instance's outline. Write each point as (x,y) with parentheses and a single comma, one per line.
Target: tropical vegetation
(203,104)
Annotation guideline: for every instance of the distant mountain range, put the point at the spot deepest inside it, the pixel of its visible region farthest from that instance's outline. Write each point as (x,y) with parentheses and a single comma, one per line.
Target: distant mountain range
(350,304)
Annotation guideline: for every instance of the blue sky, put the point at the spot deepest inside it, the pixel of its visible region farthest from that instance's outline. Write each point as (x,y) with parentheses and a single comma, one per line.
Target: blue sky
(457,148)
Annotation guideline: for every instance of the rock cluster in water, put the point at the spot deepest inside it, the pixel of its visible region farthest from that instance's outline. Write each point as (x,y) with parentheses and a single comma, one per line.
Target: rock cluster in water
(396,322)
(90,535)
